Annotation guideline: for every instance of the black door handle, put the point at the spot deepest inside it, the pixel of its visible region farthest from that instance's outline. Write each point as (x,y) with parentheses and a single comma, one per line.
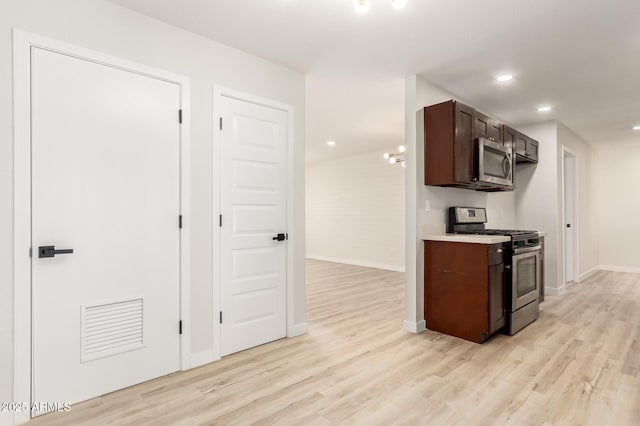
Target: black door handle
(50,251)
(568,225)
(280,237)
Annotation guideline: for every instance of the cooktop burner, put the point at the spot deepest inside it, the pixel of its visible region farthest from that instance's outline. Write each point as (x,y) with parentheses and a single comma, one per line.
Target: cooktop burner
(512,232)
(472,220)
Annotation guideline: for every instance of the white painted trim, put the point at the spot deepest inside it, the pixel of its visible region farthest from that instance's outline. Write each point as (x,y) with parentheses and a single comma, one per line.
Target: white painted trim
(588,273)
(185,234)
(219,92)
(413,301)
(21,223)
(355,262)
(23,42)
(202,358)
(553,291)
(612,268)
(298,329)
(415,327)
(576,214)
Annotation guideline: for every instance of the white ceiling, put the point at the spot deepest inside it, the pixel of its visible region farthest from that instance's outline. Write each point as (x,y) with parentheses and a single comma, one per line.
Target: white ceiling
(581,57)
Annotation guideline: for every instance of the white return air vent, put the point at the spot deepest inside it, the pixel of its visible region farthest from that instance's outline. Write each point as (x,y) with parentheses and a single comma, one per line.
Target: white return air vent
(111,329)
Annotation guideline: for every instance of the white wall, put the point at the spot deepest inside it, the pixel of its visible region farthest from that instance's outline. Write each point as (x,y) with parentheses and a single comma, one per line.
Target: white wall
(538,198)
(500,206)
(108,28)
(355,211)
(619,204)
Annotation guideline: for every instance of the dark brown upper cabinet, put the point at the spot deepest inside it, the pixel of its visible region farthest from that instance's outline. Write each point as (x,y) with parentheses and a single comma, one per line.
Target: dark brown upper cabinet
(487,127)
(450,154)
(524,147)
(451,133)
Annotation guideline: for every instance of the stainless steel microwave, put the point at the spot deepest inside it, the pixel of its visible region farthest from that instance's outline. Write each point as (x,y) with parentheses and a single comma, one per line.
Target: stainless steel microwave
(495,163)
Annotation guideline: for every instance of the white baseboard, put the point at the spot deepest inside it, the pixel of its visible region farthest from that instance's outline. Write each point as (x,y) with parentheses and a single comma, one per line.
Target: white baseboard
(202,358)
(355,262)
(587,274)
(415,327)
(298,329)
(553,291)
(620,269)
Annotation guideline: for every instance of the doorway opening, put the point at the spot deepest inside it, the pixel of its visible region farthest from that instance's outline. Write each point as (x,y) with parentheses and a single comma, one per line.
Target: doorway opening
(570,215)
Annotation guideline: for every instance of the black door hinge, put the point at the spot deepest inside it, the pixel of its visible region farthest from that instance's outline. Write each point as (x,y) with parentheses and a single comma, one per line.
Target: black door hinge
(220,123)
(30,252)
(180,327)
(180,116)
(220,317)
(180,221)
(221,221)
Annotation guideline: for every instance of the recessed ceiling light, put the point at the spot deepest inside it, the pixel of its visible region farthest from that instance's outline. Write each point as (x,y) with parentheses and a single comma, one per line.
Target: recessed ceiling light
(544,109)
(361,6)
(505,77)
(635,128)
(399,4)
(331,143)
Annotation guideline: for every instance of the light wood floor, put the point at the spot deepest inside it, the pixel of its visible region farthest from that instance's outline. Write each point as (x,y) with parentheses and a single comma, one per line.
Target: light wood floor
(578,364)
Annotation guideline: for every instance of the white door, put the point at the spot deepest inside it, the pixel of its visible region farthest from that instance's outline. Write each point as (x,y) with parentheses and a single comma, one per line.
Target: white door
(105,184)
(570,216)
(253,203)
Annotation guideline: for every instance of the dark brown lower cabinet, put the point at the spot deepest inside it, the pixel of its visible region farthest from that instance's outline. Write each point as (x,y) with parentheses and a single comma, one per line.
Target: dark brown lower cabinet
(464,289)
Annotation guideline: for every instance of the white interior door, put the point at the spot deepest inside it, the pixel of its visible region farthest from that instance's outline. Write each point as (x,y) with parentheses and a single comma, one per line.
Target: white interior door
(253,203)
(570,216)
(105,183)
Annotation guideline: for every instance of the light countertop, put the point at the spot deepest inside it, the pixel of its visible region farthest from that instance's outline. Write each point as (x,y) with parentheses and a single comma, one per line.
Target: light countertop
(464,238)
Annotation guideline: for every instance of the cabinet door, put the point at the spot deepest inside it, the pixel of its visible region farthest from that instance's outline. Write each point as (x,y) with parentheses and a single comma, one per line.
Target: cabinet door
(497,306)
(521,144)
(464,147)
(495,130)
(532,150)
(509,137)
(487,127)
(482,125)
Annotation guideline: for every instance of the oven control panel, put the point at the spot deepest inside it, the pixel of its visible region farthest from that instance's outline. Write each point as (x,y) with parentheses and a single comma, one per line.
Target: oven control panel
(469,214)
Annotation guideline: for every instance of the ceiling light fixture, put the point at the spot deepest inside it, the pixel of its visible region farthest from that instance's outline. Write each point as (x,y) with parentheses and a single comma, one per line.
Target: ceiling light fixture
(504,78)
(331,143)
(544,109)
(396,158)
(398,4)
(635,128)
(361,6)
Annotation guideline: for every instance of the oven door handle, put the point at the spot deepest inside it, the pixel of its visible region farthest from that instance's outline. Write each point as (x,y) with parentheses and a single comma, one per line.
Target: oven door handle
(526,250)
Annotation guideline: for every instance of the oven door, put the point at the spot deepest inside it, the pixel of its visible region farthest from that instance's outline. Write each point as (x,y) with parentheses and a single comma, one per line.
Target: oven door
(495,163)
(525,281)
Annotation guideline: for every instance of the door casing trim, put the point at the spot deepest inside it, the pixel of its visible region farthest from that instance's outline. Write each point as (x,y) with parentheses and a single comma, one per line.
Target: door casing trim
(569,153)
(220,92)
(23,42)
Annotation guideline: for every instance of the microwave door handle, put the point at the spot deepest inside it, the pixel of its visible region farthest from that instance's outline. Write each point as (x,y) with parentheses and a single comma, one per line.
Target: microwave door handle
(506,165)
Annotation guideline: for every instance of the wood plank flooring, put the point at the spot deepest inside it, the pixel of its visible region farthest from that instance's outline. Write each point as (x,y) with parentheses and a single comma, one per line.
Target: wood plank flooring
(579,364)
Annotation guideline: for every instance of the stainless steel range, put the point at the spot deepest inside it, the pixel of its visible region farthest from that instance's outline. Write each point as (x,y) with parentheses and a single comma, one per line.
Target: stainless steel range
(524,262)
